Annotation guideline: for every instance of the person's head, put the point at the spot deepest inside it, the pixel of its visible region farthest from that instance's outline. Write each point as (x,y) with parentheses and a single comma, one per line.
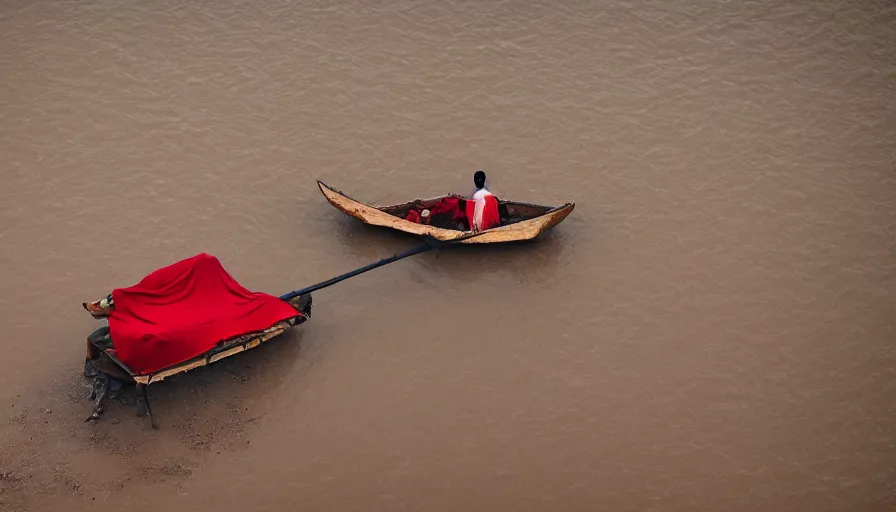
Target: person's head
(479,179)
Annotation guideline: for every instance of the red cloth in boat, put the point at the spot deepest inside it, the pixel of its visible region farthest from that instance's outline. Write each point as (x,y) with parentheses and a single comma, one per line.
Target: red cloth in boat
(490,216)
(183,310)
(413,216)
(449,205)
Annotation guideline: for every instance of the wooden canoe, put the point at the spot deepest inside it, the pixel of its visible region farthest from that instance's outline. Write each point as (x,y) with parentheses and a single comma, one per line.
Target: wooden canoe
(524,221)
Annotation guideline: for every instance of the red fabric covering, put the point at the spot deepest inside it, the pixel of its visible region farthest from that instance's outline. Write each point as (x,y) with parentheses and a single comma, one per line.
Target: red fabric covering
(449,204)
(183,310)
(413,216)
(490,216)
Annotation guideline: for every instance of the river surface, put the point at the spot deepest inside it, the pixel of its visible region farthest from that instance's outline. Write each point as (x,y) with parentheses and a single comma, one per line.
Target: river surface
(711,329)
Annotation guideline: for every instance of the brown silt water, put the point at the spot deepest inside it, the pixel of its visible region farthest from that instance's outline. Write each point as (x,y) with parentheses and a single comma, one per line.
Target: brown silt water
(712,328)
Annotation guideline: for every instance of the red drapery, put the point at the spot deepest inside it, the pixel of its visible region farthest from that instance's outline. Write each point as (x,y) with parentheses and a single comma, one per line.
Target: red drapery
(446,209)
(183,310)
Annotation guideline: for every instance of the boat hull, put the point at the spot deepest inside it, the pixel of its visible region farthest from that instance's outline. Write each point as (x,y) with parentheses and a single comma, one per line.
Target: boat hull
(517,231)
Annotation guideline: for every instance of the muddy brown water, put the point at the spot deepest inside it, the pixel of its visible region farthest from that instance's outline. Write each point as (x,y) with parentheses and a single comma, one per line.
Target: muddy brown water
(712,328)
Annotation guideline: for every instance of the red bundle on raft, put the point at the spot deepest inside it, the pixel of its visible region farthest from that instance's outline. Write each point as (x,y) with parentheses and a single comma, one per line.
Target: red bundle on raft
(184,311)
(176,319)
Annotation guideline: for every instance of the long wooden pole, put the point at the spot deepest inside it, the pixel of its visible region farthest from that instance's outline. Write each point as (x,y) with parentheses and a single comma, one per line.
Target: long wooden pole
(353,273)
(431,243)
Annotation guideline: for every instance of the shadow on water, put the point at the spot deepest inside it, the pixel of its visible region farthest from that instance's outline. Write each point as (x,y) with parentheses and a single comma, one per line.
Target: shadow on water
(370,242)
(47,445)
(227,383)
(524,261)
(531,261)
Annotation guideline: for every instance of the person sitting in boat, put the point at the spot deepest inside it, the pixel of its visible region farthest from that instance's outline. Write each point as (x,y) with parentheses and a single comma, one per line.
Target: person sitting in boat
(482,212)
(483,209)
